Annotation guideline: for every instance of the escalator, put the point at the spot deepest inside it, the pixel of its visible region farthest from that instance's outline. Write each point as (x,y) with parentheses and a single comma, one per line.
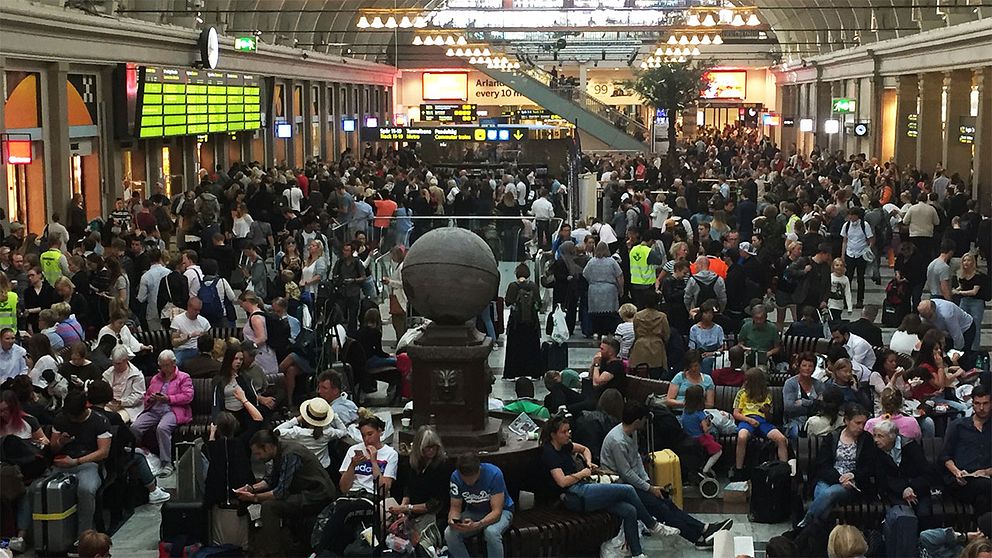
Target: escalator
(613,128)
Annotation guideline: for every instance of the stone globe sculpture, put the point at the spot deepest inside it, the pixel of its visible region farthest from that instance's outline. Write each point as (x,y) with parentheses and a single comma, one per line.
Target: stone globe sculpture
(450,275)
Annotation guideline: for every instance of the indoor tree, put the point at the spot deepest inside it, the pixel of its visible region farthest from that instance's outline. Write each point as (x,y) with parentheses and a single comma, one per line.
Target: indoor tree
(672,86)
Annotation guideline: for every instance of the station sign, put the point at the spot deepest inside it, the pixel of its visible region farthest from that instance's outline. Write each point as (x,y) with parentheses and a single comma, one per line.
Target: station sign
(788,122)
(17,150)
(967,126)
(246,44)
(535,114)
(843,105)
(451,113)
(912,125)
(441,133)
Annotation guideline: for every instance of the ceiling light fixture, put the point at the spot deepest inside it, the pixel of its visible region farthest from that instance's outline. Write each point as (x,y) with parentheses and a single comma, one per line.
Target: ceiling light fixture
(363,22)
(449,52)
(695,51)
(705,40)
(717,40)
(450,41)
(485,52)
(753,21)
(391,23)
(418,41)
(377,23)
(476,52)
(405,23)
(672,40)
(683,40)
(694,40)
(461,41)
(693,20)
(473,60)
(419,22)
(726,15)
(738,21)
(708,21)
(459,52)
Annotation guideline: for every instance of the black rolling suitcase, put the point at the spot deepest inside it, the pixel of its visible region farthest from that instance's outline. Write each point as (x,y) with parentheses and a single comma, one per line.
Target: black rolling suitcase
(771,492)
(188,521)
(554,356)
(54,513)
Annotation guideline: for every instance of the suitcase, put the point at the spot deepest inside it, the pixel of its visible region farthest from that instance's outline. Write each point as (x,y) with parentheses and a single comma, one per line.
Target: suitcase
(55,521)
(188,521)
(189,473)
(554,356)
(666,472)
(892,314)
(771,492)
(228,527)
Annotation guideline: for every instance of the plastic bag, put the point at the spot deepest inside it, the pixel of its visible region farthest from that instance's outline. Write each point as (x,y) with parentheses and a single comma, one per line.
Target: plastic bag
(722,421)
(615,547)
(559,329)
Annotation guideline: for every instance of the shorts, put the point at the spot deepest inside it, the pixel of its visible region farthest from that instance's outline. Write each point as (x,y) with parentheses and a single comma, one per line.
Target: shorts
(709,443)
(764,427)
(306,369)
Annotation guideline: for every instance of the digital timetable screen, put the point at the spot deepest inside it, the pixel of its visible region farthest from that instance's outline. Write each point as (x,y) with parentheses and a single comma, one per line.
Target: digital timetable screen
(178,101)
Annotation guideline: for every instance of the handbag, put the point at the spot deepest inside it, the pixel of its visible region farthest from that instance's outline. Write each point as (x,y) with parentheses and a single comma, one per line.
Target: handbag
(395,308)
(170,310)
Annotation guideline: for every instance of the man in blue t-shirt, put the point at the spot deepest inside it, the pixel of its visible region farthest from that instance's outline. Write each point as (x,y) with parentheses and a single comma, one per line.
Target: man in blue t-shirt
(479,502)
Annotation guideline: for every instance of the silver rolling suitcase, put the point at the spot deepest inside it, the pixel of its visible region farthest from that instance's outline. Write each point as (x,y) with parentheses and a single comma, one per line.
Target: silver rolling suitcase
(54,513)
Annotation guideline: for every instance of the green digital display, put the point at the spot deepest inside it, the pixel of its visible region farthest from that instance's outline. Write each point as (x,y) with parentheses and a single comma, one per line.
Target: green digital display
(180,102)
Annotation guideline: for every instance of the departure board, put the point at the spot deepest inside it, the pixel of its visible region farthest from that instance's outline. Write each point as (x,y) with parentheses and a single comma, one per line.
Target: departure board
(455,114)
(179,101)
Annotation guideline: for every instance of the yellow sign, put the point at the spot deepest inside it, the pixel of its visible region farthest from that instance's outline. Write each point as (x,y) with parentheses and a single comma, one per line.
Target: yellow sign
(480,134)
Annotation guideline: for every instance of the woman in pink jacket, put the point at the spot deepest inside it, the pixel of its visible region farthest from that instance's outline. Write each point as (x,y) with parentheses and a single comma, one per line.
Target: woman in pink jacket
(167,404)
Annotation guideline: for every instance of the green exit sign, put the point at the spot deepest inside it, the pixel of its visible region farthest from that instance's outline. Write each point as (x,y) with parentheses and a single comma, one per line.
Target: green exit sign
(843,105)
(246,44)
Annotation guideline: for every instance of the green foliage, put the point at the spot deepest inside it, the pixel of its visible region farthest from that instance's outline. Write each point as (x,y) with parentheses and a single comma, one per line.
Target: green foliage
(672,86)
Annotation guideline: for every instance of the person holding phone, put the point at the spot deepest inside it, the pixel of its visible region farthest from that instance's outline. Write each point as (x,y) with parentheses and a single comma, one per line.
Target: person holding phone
(479,502)
(167,405)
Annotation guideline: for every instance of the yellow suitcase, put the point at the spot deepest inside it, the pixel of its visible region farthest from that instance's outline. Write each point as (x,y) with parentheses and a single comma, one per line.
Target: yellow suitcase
(667,471)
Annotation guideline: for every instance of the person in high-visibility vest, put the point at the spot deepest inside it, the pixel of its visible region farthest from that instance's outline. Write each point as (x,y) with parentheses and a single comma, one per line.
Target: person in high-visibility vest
(53,261)
(642,274)
(8,304)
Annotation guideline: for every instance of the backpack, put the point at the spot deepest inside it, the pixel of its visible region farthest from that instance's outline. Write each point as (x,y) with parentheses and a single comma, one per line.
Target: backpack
(897,292)
(277,334)
(207,208)
(707,291)
(213,308)
(771,493)
(526,306)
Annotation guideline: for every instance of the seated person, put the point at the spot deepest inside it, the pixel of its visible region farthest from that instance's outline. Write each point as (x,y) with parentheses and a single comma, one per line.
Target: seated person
(46,326)
(808,325)
(732,375)
(965,456)
(185,328)
(607,370)
(99,394)
(479,503)
(94,544)
(203,364)
(78,368)
(315,428)
(759,335)
(691,376)
(752,411)
(902,479)
(707,337)
(296,487)
(166,405)
(620,455)
(697,424)
(80,441)
(128,384)
(891,402)
(800,395)
(945,542)
(365,464)
(15,422)
(426,495)
(266,392)
(525,402)
(592,426)
(865,328)
(330,387)
(558,395)
(859,350)
(842,378)
(558,454)
(845,464)
(369,336)
(234,393)
(828,416)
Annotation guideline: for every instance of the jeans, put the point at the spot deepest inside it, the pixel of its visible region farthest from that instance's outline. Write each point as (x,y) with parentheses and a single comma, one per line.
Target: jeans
(794,427)
(620,500)
(487,321)
(857,266)
(956,405)
(182,355)
(825,498)
(141,470)
(379,362)
(88,478)
(351,306)
(665,511)
(941,543)
(975,307)
(493,535)
(164,421)
(927,428)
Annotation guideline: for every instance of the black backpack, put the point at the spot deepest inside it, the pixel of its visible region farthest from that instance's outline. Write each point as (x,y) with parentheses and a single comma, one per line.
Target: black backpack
(527,305)
(277,332)
(771,493)
(707,291)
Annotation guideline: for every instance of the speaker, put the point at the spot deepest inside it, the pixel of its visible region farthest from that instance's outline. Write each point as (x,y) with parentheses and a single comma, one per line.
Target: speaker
(861,129)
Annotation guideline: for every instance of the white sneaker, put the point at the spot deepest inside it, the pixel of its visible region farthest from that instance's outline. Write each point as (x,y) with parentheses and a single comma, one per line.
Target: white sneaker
(640,556)
(16,544)
(166,471)
(664,530)
(158,496)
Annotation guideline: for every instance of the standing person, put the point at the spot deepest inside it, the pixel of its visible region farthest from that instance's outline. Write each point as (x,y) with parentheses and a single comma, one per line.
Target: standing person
(349,273)
(605,286)
(643,275)
(313,273)
(397,296)
(256,332)
(523,333)
(148,287)
(949,318)
(974,290)
(939,272)
(479,502)
(921,218)
(911,266)
(37,296)
(966,457)
(297,487)
(8,304)
(840,291)
(558,455)
(857,245)
(651,335)
(166,405)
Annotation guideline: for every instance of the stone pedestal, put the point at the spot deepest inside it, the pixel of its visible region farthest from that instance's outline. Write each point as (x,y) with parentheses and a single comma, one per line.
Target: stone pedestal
(451,387)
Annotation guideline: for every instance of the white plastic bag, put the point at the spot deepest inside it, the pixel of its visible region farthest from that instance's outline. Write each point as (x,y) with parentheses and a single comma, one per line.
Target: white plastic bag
(559,329)
(722,421)
(615,547)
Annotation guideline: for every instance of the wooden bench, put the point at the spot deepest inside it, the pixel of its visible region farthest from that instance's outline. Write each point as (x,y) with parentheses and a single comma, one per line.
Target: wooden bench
(552,532)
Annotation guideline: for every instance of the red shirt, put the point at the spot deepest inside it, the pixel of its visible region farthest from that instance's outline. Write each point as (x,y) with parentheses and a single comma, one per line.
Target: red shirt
(304,183)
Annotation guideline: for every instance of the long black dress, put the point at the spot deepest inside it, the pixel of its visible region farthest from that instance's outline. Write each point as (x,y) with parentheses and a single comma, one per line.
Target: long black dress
(523,334)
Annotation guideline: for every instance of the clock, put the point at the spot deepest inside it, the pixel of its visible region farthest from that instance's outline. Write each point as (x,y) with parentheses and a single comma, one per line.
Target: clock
(861,129)
(209,48)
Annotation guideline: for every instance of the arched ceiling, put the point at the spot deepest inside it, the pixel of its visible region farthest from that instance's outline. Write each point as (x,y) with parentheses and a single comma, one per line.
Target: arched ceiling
(803,27)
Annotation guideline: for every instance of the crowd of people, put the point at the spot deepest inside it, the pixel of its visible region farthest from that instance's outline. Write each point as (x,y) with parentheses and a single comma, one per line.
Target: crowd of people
(105,326)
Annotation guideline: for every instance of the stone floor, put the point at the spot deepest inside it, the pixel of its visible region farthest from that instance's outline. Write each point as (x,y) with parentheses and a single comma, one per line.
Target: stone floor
(138,538)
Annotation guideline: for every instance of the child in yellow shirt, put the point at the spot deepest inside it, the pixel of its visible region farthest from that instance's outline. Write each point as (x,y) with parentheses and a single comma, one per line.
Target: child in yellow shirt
(752,409)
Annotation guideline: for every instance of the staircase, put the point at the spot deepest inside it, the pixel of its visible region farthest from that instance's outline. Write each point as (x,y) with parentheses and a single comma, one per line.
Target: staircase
(585,112)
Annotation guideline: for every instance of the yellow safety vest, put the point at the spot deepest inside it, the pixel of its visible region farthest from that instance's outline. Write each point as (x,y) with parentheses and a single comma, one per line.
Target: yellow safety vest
(640,272)
(50,267)
(8,311)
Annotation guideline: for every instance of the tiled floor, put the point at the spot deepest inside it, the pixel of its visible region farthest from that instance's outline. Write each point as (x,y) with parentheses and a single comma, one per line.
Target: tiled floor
(138,538)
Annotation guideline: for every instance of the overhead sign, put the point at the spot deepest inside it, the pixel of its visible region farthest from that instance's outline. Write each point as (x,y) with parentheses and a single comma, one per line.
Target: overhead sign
(726,84)
(441,133)
(17,151)
(805,124)
(967,125)
(770,120)
(843,105)
(614,92)
(788,122)
(534,114)
(912,125)
(450,113)
(246,44)
(447,86)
